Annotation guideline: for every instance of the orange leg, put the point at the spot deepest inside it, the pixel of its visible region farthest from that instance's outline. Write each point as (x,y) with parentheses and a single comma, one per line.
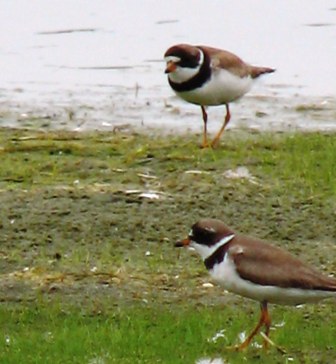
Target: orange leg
(265,319)
(226,121)
(267,323)
(205,120)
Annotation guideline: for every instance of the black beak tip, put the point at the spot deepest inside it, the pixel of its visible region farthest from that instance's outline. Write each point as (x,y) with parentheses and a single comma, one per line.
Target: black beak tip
(178,244)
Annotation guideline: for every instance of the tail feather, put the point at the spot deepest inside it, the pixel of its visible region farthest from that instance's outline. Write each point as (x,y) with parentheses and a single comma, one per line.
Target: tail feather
(258,71)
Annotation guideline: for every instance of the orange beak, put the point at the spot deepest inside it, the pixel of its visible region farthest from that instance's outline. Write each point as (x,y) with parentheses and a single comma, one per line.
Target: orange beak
(181,243)
(171,67)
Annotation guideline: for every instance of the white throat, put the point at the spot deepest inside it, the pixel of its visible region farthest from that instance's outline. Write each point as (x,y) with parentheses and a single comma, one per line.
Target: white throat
(183,74)
(206,251)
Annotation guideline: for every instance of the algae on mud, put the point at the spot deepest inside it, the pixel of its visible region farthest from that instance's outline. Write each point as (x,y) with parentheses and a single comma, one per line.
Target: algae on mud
(77,229)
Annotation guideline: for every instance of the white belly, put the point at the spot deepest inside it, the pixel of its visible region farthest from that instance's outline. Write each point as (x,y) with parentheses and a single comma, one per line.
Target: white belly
(222,88)
(226,275)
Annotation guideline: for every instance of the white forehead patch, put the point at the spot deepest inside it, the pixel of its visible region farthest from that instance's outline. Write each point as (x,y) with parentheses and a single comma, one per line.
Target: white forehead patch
(172,59)
(183,74)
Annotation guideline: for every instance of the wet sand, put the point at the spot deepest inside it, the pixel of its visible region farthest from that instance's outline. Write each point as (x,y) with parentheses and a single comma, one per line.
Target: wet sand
(123,109)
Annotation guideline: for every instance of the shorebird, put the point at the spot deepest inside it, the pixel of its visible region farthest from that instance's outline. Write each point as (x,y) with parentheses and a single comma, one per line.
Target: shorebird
(256,269)
(209,76)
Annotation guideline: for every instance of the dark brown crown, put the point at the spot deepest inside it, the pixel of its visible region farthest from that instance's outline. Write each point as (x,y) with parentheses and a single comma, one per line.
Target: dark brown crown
(209,232)
(189,55)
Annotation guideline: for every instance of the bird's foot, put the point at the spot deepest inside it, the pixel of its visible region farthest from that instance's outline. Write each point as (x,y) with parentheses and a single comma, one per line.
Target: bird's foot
(268,341)
(238,347)
(215,143)
(205,145)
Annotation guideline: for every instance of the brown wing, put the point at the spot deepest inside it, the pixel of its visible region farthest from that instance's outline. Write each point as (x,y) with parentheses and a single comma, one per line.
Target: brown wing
(231,62)
(227,60)
(265,264)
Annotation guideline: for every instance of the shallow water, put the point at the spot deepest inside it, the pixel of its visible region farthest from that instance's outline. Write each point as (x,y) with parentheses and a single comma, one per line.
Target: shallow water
(97,65)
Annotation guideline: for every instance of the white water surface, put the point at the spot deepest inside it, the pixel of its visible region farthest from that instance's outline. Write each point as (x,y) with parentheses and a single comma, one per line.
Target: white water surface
(101,61)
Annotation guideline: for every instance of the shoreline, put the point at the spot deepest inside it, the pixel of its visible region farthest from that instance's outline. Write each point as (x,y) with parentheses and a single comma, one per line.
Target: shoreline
(121,110)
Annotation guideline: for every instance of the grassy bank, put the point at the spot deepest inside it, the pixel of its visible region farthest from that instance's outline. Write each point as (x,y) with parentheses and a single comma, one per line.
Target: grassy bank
(88,221)
(153,334)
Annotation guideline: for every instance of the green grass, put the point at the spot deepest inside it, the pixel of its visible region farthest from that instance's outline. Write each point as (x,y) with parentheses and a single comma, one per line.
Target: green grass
(44,159)
(140,334)
(89,273)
